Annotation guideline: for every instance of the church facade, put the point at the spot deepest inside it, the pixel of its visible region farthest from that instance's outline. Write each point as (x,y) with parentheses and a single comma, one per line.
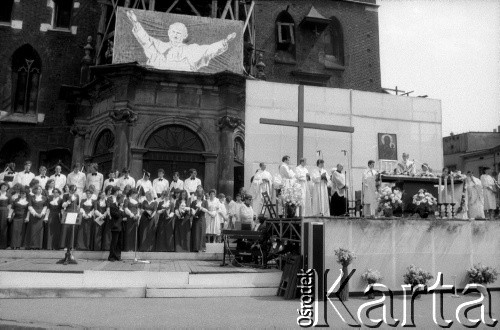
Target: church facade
(128,116)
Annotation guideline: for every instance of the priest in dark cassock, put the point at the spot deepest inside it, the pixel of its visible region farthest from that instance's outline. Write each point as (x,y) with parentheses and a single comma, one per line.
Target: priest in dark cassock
(339,188)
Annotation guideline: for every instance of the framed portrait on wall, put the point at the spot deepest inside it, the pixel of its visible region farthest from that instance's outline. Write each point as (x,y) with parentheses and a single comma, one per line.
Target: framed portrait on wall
(387,146)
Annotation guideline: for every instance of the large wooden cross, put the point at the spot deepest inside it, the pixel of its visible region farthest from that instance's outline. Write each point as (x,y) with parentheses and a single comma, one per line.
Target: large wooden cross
(300,124)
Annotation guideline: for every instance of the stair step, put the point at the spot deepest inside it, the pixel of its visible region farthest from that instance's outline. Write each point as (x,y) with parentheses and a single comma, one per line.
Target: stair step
(210,292)
(76,292)
(236,279)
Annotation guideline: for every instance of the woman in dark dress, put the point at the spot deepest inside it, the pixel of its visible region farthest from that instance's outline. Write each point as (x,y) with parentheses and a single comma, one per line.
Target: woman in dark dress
(100,208)
(165,229)
(116,216)
(49,188)
(147,226)
(54,220)
(133,214)
(106,239)
(198,209)
(71,202)
(182,229)
(84,241)
(4,214)
(19,216)
(37,209)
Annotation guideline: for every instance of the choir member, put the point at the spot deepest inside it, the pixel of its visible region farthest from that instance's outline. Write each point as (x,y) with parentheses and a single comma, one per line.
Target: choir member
(108,224)
(25,177)
(20,215)
(147,226)
(116,214)
(71,203)
(126,190)
(212,217)
(191,183)
(370,202)
(165,229)
(199,208)
(339,188)
(262,181)
(42,177)
(84,238)
(5,208)
(247,216)
(221,215)
(9,174)
(132,216)
(233,211)
(93,192)
(182,226)
(59,178)
(110,181)
(65,190)
(303,177)
(125,180)
(37,209)
(160,184)
(49,188)
(475,205)
(489,192)
(320,205)
(77,178)
(100,213)
(54,220)
(406,166)
(176,182)
(95,179)
(144,185)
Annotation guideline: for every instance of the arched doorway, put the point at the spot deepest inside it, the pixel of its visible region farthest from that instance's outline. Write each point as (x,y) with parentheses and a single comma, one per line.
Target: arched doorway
(239,162)
(15,151)
(174,148)
(103,151)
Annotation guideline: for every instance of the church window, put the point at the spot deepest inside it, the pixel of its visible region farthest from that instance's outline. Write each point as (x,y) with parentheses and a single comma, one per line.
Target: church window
(62,13)
(6,10)
(285,34)
(26,71)
(334,44)
(239,150)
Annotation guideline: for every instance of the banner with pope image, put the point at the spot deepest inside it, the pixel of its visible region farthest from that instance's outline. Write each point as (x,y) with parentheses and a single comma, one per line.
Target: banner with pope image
(178,42)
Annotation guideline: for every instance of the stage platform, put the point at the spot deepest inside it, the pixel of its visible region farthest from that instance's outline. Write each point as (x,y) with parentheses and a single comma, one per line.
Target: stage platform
(35,274)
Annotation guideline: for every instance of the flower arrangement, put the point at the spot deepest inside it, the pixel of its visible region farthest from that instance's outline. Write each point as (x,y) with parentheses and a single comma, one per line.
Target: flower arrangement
(344,256)
(415,275)
(482,274)
(388,200)
(292,194)
(424,199)
(372,276)
(457,175)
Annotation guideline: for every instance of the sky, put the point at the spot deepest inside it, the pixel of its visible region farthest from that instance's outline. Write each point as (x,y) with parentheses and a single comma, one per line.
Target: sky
(448,50)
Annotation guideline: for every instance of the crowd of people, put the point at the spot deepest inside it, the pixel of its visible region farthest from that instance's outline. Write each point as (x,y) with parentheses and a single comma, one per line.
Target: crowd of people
(117,214)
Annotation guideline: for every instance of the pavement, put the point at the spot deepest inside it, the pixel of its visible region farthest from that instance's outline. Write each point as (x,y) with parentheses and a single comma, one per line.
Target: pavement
(237,312)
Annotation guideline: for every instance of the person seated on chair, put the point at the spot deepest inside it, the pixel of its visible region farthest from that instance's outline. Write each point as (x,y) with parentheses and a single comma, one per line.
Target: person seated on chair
(260,247)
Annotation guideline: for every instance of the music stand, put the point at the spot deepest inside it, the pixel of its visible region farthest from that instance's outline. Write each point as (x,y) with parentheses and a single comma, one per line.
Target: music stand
(70,219)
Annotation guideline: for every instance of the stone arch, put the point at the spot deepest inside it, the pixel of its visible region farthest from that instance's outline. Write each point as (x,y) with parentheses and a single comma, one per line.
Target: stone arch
(193,126)
(15,150)
(94,135)
(102,149)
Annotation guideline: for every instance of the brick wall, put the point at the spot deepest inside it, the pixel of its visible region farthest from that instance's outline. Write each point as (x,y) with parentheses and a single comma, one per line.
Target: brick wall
(361,43)
(60,53)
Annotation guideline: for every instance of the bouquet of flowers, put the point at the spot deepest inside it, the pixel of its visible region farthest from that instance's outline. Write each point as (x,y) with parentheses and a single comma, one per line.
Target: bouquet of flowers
(424,199)
(388,200)
(482,274)
(292,194)
(344,256)
(415,276)
(372,276)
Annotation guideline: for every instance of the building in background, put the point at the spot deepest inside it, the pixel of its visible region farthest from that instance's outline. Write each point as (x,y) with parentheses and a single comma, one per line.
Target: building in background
(472,151)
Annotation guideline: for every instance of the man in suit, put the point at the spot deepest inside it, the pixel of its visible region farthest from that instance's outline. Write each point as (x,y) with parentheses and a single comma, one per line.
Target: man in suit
(116,212)
(95,178)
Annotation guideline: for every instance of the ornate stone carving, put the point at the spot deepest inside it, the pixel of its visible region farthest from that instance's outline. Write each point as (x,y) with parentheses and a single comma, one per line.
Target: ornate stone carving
(80,131)
(261,66)
(123,115)
(229,122)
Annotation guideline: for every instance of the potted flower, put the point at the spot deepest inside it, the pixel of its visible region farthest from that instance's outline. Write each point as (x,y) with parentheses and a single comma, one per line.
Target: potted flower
(482,274)
(388,201)
(371,277)
(344,257)
(292,195)
(425,203)
(415,276)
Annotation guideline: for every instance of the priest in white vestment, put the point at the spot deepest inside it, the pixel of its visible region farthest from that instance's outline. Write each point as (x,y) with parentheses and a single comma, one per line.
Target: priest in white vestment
(338,203)
(406,167)
(489,192)
(320,204)
(262,181)
(286,173)
(303,178)
(475,202)
(370,197)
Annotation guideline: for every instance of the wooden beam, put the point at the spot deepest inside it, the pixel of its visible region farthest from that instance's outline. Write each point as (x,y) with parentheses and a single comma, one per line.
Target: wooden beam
(214,9)
(226,8)
(172,6)
(152,5)
(144,5)
(115,4)
(237,9)
(250,11)
(231,12)
(193,8)
(100,29)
